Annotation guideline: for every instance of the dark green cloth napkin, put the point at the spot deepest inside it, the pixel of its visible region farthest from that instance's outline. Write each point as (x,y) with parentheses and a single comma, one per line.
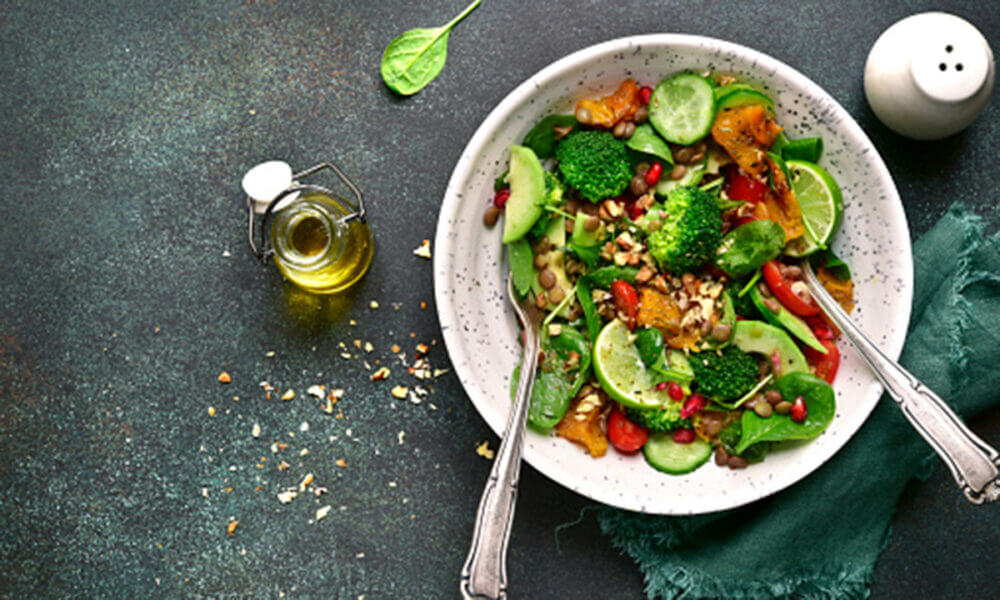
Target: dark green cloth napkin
(836,521)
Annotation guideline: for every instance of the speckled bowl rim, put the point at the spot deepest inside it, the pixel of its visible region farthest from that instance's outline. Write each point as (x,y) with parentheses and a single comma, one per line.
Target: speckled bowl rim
(464,170)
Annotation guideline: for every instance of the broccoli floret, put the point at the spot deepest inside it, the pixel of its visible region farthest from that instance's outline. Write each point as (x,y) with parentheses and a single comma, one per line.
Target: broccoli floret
(554,197)
(596,163)
(690,233)
(667,418)
(724,375)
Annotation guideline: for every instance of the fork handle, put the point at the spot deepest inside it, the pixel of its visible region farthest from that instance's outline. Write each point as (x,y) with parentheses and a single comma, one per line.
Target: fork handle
(484,575)
(972,462)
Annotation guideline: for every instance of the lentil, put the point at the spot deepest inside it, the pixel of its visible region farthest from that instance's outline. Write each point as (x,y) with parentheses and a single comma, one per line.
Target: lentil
(541,261)
(619,130)
(764,289)
(783,407)
(773,397)
(638,185)
(629,129)
(491,215)
(591,224)
(721,456)
(642,168)
(641,115)
(763,409)
(557,295)
(737,462)
(547,279)
(772,304)
(677,172)
(722,331)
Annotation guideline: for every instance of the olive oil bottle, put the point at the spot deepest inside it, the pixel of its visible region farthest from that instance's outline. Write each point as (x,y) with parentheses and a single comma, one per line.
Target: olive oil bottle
(319,241)
(316,249)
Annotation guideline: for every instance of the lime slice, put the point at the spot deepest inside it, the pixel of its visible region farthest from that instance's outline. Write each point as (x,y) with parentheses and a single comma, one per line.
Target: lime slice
(821,203)
(621,371)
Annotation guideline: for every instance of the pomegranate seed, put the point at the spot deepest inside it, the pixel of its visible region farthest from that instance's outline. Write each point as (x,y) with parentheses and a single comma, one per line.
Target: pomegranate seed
(500,198)
(661,386)
(799,410)
(676,391)
(645,93)
(693,405)
(684,436)
(653,175)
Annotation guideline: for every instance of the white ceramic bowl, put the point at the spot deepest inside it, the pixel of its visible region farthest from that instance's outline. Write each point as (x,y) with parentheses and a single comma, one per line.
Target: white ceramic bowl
(480,329)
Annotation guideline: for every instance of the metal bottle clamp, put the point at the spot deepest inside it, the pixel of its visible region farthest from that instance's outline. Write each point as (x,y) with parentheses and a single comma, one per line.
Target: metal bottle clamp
(263,251)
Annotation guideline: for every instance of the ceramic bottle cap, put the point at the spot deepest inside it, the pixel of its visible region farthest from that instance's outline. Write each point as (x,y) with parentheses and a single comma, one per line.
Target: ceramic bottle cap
(929,75)
(264,182)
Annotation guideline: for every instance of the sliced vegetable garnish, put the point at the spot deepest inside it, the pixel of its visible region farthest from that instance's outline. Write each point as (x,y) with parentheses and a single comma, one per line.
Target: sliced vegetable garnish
(682,108)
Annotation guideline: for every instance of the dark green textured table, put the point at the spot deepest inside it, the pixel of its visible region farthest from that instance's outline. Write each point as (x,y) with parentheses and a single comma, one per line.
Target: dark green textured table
(126,287)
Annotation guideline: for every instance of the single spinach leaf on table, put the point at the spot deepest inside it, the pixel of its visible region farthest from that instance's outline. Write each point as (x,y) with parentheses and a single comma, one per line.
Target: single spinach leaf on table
(522,265)
(819,398)
(542,137)
(415,58)
(646,140)
(555,385)
(744,249)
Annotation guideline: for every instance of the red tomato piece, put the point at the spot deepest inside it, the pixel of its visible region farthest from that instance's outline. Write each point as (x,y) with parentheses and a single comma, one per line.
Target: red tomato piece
(623,434)
(824,365)
(742,187)
(782,291)
(626,300)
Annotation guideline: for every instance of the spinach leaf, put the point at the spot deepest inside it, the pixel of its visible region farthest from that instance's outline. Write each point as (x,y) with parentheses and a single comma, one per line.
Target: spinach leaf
(649,343)
(522,265)
(780,163)
(501,181)
(819,399)
(832,263)
(749,246)
(605,276)
(415,58)
(730,437)
(542,137)
(601,278)
(646,140)
(589,255)
(556,383)
(806,149)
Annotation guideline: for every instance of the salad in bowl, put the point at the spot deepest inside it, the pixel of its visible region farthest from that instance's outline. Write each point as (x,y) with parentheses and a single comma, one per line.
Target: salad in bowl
(662,228)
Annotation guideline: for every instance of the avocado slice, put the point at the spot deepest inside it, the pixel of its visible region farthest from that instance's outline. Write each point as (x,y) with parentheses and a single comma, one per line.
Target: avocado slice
(527,190)
(760,338)
(785,318)
(582,237)
(556,262)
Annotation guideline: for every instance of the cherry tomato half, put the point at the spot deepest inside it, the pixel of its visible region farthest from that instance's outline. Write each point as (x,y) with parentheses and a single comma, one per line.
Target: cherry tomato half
(626,300)
(825,365)
(623,434)
(782,290)
(742,187)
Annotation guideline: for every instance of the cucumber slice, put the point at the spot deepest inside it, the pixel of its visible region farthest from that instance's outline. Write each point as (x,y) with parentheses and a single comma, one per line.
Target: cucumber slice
(682,108)
(741,94)
(664,454)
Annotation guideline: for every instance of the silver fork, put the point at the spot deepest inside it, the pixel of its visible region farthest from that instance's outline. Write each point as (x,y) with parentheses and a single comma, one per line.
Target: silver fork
(973,462)
(484,575)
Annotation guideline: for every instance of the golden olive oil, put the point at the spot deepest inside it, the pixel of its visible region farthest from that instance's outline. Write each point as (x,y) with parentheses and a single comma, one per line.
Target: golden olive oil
(315,249)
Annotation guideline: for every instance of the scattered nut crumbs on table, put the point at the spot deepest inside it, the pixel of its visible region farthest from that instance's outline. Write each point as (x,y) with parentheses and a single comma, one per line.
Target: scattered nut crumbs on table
(424,250)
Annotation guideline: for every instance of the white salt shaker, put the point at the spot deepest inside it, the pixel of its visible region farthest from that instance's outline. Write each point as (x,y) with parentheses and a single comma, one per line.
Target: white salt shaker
(929,75)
